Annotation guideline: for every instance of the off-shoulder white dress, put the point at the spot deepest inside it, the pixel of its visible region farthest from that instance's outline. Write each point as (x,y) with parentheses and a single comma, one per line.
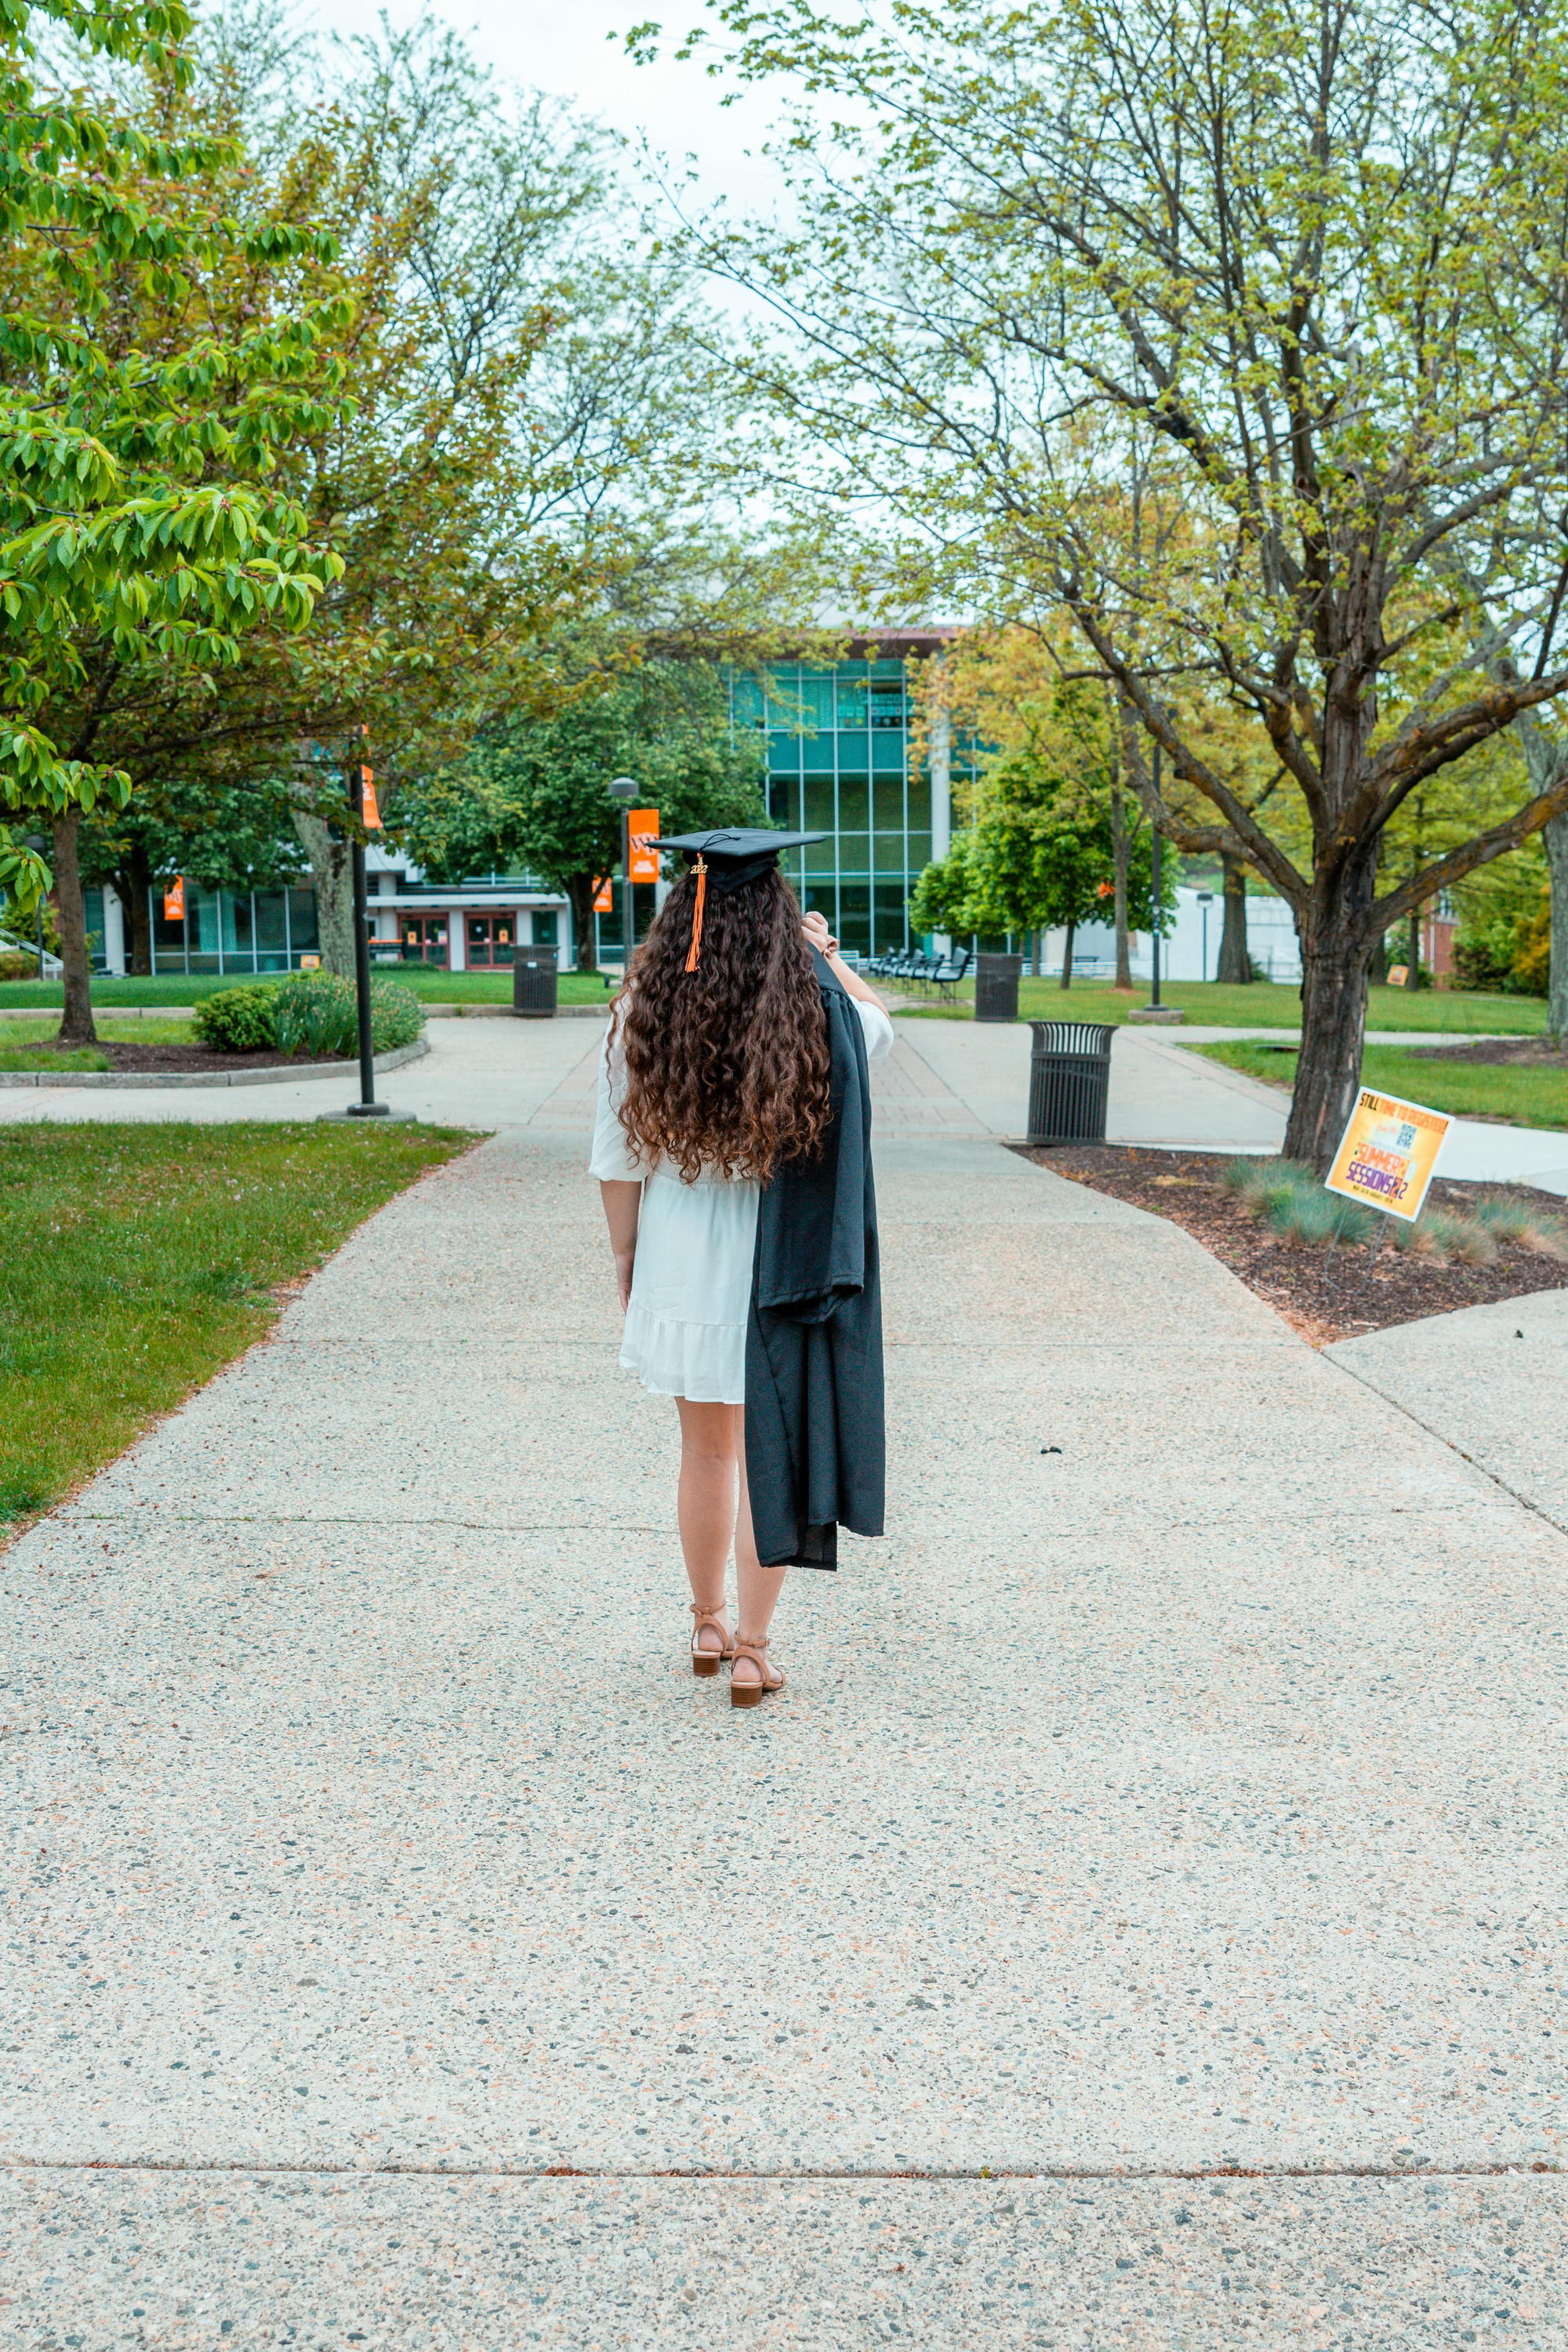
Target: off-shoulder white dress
(691,1278)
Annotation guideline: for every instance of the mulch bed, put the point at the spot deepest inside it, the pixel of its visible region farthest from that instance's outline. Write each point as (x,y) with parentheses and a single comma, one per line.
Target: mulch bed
(1516,1053)
(1325,1295)
(189,1060)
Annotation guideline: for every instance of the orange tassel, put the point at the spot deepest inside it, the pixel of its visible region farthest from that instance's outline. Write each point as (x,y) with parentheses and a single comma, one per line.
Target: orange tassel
(697,914)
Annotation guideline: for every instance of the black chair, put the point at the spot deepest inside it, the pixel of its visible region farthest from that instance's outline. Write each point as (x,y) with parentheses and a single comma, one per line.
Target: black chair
(949,972)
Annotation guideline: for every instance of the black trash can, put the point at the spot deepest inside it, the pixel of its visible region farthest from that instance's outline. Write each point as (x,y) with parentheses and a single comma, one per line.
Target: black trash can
(996,987)
(534,982)
(1070,1079)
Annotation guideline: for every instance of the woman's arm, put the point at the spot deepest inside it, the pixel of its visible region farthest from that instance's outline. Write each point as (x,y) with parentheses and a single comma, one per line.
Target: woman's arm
(622,1203)
(827,946)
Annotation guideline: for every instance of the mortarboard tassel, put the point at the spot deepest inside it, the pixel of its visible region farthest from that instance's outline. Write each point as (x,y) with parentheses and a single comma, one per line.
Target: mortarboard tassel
(697,914)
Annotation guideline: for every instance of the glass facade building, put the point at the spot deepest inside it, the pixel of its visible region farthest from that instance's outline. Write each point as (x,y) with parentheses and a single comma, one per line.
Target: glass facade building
(839,764)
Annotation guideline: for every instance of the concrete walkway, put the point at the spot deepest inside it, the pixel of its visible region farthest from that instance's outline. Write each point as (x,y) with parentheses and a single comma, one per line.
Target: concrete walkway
(1137,1925)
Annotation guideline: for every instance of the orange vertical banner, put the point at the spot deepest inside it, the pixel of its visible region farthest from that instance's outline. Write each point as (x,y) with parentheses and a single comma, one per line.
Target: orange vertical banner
(174,900)
(372,813)
(642,831)
(604,897)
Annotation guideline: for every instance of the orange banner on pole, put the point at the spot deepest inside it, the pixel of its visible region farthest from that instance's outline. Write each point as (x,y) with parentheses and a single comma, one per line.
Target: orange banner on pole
(372,814)
(642,831)
(174,900)
(604,897)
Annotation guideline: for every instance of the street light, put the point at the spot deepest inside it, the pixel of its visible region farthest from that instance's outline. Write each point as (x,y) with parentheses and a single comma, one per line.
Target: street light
(1206,900)
(626,789)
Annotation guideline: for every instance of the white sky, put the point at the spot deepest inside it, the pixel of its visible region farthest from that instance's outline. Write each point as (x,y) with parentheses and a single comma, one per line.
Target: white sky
(575,49)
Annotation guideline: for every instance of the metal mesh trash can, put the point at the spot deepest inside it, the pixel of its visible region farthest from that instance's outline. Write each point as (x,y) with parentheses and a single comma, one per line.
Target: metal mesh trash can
(534,982)
(1070,1079)
(996,987)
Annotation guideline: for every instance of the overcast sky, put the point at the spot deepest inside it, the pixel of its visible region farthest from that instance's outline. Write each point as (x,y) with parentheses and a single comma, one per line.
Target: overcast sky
(575,49)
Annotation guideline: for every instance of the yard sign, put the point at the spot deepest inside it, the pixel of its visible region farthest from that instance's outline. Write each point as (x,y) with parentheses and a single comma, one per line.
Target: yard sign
(1387,1153)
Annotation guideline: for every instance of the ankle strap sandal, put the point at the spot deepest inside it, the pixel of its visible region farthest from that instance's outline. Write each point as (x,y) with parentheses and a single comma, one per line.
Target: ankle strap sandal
(705,1662)
(770,1678)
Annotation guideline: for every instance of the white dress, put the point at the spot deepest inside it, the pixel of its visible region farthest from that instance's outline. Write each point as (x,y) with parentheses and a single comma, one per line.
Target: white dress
(691,1278)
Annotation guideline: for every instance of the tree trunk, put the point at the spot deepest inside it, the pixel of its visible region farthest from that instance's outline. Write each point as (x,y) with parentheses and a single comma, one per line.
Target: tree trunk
(76,1021)
(1556,844)
(1067,956)
(1338,934)
(332,871)
(1121,858)
(580,890)
(1235,965)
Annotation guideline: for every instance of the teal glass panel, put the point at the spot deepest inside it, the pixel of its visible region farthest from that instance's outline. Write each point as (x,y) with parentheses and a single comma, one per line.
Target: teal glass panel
(747,705)
(204,906)
(784,698)
(853,747)
(546,927)
(852,701)
(822,898)
(887,704)
(818,752)
(853,853)
(920,803)
(920,850)
(817,697)
(852,798)
(888,852)
(888,751)
(888,802)
(783,751)
(821,857)
(304,936)
(816,805)
(889,915)
(271,953)
(93,917)
(855,917)
(783,802)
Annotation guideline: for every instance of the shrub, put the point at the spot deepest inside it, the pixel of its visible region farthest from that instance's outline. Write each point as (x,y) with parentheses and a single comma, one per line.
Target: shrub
(238,1020)
(1317,1218)
(16,965)
(317,1012)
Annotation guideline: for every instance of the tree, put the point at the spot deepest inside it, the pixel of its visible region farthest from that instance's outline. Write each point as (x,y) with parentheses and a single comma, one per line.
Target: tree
(533,793)
(141,527)
(1300,275)
(224,836)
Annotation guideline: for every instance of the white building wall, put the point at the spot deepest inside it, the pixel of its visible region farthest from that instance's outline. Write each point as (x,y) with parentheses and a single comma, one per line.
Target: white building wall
(1190,949)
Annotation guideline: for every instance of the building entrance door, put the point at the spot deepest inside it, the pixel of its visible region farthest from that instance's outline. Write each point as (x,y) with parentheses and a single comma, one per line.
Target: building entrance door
(491,940)
(423,938)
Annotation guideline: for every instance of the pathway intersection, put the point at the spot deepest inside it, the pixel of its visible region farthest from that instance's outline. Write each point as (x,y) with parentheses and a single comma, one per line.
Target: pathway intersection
(1138,1926)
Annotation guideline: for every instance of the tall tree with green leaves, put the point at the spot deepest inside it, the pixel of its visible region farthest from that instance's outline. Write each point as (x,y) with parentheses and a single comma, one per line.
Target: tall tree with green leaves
(1301,270)
(142,524)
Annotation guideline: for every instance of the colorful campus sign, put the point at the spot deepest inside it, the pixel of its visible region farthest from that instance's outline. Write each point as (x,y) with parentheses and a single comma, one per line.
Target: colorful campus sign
(1387,1153)
(174,900)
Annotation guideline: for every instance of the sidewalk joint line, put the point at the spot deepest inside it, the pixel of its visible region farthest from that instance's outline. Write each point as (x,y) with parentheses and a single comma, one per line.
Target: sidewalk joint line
(1453,1446)
(16,2167)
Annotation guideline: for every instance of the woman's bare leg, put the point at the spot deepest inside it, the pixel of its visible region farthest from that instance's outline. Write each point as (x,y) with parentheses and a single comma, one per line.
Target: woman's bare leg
(705,1504)
(760,1587)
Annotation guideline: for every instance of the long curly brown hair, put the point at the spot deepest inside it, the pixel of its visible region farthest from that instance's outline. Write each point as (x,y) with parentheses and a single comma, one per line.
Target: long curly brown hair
(727,1066)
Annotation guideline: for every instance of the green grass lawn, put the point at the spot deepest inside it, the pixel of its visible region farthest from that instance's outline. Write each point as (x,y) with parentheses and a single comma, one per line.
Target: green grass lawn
(1265,1006)
(14,1035)
(174,988)
(135,1261)
(1464,1089)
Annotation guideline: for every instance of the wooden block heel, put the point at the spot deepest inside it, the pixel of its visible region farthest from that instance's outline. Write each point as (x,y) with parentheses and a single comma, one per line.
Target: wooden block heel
(705,1663)
(770,1678)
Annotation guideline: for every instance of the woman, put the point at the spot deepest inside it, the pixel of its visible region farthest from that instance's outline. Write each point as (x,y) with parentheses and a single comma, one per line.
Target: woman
(736,1060)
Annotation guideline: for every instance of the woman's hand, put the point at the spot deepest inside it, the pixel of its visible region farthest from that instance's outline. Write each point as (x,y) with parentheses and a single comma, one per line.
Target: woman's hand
(625,1260)
(818,936)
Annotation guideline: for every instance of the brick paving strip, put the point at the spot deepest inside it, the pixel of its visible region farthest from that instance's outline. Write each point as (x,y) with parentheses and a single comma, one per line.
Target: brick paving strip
(1138,1926)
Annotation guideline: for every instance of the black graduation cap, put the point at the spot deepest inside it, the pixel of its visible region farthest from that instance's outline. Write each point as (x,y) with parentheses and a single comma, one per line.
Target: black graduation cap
(735,856)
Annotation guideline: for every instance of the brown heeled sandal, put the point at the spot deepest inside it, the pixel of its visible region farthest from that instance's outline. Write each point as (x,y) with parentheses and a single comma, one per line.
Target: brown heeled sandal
(708,1662)
(753,1693)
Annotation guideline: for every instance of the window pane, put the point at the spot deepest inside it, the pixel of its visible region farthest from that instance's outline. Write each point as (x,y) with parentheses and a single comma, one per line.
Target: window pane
(783,751)
(852,798)
(853,747)
(853,853)
(888,853)
(302,932)
(888,802)
(821,857)
(888,751)
(816,699)
(920,803)
(818,805)
(855,918)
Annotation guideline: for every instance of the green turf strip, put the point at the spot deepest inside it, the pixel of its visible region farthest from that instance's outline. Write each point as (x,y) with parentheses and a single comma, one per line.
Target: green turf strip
(136,1261)
(1525,1097)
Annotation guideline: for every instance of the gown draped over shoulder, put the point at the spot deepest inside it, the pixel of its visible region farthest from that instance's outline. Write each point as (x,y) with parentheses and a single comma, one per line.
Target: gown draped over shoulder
(691,1278)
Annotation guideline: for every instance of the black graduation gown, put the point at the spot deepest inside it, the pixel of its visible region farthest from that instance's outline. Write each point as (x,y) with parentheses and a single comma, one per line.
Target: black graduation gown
(815,1442)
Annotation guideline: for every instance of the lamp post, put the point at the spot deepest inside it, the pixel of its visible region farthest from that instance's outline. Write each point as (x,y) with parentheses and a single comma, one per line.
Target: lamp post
(367,1105)
(1206,900)
(626,790)
(1156,909)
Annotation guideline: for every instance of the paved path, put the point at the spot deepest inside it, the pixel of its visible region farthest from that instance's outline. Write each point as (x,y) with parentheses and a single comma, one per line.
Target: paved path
(402,1949)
